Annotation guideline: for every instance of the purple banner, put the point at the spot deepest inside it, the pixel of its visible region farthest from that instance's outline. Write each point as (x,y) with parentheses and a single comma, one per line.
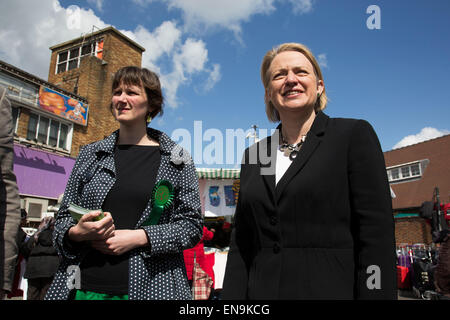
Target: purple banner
(41,173)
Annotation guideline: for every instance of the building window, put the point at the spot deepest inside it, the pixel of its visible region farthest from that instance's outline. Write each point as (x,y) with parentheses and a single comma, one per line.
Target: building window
(19,90)
(74,58)
(70,59)
(395,174)
(48,132)
(415,169)
(404,172)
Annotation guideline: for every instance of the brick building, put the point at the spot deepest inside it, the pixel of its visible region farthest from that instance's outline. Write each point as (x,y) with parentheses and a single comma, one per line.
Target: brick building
(414,172)
(86,66)
(53,118)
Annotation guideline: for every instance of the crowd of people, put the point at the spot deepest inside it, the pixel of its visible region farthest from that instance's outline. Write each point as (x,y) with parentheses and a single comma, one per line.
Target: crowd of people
(295,235)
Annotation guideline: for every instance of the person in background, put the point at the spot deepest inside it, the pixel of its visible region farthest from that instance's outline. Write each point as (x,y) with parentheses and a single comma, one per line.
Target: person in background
(222,234)
(315,221)
(42,260)
(150,202)
(223,240)
(9,198)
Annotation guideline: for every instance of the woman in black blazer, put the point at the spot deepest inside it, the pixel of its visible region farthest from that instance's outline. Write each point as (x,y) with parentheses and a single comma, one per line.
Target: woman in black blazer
(314,217)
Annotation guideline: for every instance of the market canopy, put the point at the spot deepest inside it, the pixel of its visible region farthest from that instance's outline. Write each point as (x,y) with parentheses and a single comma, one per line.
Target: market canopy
(207,173)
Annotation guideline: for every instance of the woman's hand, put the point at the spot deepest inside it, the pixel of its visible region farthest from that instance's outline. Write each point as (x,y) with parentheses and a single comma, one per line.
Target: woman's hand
(122,241)
(87,229)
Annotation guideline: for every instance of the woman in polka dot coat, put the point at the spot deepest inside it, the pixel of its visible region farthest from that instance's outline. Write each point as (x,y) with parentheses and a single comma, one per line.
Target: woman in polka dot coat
(156,267)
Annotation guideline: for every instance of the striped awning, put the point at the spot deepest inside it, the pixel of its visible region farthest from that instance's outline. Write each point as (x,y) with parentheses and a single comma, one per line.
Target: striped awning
(207,173)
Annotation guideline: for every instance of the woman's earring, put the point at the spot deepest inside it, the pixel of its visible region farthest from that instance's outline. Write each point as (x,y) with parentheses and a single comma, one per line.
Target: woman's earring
(318,101)
(149,119)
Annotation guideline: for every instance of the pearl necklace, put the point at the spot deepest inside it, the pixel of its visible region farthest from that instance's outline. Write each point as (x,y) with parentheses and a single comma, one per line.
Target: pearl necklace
(291,150)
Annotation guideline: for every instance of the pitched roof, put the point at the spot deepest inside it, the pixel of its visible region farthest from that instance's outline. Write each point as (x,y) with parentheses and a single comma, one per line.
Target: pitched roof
(109,29)
(436,172)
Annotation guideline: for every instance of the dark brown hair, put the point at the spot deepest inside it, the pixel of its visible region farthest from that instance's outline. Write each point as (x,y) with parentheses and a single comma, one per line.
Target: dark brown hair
(146,79)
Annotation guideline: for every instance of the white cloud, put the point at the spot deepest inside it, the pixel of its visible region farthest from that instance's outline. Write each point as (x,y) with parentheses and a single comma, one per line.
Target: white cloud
(214,77)
(302,6)
(205,15)
(31,27)
(174,60)
(157,44)
(190,58)
(96,3)
(322,60)
(44,23)
(426,133)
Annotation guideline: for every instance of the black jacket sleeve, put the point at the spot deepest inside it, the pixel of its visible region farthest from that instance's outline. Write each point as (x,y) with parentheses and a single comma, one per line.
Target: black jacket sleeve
(372,217)
(242,247)
(236,272)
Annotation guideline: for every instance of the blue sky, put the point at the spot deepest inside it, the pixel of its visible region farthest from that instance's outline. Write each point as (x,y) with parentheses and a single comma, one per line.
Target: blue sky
(209,52)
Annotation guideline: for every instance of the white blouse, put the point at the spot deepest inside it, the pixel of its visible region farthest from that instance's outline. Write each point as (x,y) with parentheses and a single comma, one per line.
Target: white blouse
(282,165)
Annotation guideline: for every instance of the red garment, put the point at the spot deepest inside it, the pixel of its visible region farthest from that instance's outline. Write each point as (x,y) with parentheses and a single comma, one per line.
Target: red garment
(199,256)
(202,284)
(209,264)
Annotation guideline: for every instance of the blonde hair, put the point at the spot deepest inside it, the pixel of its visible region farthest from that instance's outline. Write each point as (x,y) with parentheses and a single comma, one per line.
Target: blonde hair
(272,113)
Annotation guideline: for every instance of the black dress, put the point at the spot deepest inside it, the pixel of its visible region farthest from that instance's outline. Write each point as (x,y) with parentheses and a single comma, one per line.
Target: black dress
(136,168)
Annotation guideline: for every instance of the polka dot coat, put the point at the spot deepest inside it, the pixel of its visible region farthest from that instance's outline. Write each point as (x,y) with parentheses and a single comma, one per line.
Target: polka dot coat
(157,271)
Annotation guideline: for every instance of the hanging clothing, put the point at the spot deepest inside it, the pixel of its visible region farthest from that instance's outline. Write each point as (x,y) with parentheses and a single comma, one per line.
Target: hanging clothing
(220,199)
(199,252)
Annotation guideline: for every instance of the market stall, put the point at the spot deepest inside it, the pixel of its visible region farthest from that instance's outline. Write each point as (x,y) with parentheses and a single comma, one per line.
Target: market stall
(219,189)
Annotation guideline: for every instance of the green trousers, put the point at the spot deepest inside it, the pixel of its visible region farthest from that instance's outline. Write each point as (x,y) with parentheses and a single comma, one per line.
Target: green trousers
(89,295)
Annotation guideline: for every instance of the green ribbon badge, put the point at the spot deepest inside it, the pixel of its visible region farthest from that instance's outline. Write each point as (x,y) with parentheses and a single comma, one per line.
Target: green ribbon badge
(162,197)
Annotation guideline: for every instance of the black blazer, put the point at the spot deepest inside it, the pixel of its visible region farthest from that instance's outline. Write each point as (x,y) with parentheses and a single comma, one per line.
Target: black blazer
(317,232)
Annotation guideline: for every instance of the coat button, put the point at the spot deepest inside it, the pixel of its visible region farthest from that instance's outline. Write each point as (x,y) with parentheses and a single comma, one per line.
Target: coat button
(273,220)
(276,248)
